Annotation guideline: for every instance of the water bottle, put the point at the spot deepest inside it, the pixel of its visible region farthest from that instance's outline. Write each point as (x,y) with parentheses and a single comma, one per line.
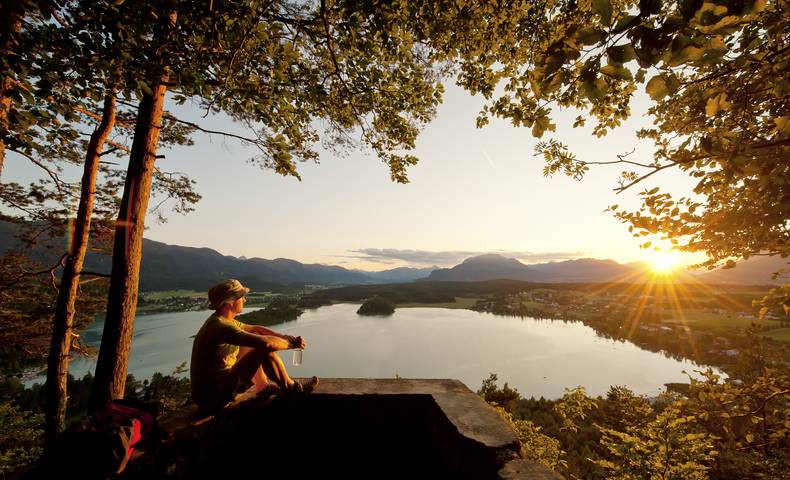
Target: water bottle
(297,357)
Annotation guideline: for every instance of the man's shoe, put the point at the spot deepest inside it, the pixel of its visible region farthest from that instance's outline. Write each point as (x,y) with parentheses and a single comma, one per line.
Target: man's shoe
(310,385)
(299,389)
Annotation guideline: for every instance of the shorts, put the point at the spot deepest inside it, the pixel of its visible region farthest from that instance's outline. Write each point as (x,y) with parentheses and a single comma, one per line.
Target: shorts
(220,389)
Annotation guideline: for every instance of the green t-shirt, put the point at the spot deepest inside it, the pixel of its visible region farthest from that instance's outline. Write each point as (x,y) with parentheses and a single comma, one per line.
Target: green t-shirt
(215,349)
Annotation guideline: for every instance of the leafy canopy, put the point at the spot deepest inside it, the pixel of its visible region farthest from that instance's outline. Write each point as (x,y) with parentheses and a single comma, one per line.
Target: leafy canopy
(347,72)
(716,72)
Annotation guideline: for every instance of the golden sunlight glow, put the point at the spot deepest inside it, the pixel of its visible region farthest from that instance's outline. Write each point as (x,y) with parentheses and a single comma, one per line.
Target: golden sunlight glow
(664,262)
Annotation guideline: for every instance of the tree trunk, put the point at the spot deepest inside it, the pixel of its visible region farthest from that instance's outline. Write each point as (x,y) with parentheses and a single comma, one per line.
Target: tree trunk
(11,12)
(58,361)
(116,341)
(5,106)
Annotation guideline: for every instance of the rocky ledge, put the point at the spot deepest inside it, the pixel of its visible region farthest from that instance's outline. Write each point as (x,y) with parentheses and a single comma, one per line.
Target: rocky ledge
(348,428)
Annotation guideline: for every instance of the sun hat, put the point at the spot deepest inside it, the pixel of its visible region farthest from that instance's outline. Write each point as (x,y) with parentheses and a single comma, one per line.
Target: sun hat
(225,292)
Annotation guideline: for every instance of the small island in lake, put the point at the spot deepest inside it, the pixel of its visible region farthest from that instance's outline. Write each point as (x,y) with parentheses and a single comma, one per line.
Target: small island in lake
(376,306)
(280,310)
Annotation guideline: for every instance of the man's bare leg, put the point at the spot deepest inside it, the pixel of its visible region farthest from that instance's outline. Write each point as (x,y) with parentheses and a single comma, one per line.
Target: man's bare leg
(275,369)
(260,367)
(258,378)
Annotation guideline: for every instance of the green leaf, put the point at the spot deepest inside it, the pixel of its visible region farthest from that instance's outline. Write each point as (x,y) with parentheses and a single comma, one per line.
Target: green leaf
(625,22)
(621,53)
(725,25)
(540,126)
(617,71)
(590,36)
(717,103)
(711,107)
(688,54)
(594,89)
(604,9)
(657,87)
(782,125)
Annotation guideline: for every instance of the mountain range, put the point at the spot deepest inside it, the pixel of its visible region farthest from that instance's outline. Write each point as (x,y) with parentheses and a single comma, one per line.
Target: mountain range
(168,267)
(754,271)
(493,266)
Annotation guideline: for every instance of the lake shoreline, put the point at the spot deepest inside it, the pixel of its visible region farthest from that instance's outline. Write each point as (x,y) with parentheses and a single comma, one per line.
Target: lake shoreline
(540,357)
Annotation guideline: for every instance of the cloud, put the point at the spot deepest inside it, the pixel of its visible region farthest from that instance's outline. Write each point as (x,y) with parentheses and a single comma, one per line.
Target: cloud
(451,257)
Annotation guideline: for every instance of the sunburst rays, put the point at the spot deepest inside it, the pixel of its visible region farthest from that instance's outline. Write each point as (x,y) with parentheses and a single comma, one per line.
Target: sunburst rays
(668,298)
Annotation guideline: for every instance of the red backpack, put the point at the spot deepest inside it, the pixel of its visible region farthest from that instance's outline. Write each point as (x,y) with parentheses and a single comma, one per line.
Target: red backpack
(106,440)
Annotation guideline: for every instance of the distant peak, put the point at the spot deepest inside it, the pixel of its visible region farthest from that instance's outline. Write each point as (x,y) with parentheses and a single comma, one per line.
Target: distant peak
(491,258)
(285,260)
(608,261)
(486,256)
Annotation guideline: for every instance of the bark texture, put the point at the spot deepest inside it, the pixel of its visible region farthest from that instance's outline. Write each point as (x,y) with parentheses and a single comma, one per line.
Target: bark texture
(60,347)
(110,379)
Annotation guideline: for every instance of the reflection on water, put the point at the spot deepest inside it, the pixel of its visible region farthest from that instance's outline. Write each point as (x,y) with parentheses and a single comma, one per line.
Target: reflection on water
(538,357)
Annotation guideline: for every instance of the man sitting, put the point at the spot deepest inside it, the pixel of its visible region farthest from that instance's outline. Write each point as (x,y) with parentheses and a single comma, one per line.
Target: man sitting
(228,356)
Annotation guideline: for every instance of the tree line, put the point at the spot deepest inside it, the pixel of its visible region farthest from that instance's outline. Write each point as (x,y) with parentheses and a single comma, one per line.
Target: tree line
(717,429)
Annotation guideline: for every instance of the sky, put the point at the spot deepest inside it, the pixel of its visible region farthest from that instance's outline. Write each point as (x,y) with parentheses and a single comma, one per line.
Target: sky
(474,191)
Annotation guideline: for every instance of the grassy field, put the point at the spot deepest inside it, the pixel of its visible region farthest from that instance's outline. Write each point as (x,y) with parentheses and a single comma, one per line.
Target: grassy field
(536,305)
(704,319)
(460,302)
(782,334)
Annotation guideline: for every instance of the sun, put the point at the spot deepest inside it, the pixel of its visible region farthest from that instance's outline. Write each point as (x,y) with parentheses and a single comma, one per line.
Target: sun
(664,262)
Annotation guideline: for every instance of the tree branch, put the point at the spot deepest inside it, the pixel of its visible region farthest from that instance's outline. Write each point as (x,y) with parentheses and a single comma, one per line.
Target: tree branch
(53,281)
(109,151)
(32,213)
(158,206)
(95,274)
(621,159)
(25,274)
(657,169)
(54,176)
(775,143)
(768,399)
(116,146)
(90,280)
(170,116)
(98,117)
(232,61)
(337,68)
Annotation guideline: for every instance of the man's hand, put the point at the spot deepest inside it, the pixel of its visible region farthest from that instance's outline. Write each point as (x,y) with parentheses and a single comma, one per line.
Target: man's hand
(297,342)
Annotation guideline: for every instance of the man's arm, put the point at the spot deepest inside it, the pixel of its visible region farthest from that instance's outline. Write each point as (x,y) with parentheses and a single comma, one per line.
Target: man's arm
(294,342)
(259,330)
(276,343)
(239,335)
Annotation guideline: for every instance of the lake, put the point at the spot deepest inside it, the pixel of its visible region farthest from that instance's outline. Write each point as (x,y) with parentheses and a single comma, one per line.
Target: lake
(537,357)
